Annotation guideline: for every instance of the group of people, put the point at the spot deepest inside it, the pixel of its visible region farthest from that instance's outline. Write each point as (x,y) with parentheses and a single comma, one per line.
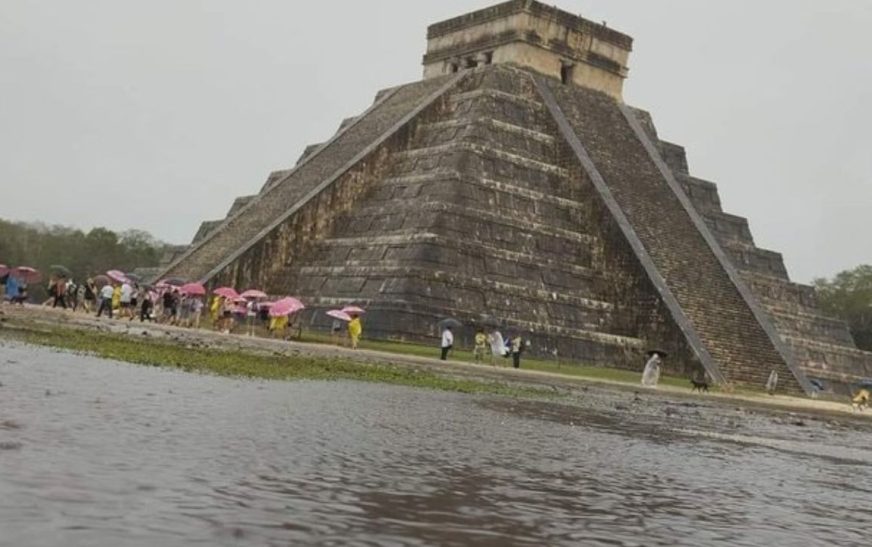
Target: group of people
(492,343)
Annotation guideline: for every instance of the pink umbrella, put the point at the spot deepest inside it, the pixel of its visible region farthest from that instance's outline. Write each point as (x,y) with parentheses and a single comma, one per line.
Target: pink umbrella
(286,306)
(339,314)
(27,274)
(194,289)
(353,310)
(4,269)
(117,275)
(227,292)
(253,294)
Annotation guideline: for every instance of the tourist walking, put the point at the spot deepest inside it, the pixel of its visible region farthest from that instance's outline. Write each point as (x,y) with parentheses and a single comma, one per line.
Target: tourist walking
(59,293)
(498,346)
(106,295)
(146,307)
(336,330)
(447,342)
(651,374)
(90,296)
(517,347)
(480,348)
(197,306)
(355,330)
(116,298)
(215,311)
(125,298)
(251,315)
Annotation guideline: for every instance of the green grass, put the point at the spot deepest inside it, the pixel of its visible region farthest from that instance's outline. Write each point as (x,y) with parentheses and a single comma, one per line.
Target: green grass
(568,368)
(255,365)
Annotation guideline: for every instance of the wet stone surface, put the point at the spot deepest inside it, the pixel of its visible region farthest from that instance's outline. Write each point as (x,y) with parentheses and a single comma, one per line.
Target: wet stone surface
(99,453)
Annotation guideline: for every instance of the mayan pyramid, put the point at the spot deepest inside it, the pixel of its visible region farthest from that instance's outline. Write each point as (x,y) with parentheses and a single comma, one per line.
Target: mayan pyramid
(513,185)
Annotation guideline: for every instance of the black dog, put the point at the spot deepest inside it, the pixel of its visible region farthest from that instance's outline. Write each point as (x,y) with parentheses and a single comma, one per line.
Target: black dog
(699,385)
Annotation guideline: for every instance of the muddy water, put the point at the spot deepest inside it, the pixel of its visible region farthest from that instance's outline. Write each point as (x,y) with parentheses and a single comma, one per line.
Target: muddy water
(103,454)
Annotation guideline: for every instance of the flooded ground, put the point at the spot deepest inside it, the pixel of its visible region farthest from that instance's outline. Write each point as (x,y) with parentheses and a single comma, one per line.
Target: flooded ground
(98,453)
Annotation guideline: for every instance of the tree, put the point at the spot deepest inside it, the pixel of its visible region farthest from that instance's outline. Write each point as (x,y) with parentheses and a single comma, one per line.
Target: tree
(848,296)
(41,246)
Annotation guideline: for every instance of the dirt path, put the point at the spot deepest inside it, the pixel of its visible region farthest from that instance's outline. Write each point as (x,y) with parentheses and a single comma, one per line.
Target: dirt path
(13,317)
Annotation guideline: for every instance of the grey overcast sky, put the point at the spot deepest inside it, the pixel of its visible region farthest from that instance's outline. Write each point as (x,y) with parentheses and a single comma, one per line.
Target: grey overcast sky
(155,115)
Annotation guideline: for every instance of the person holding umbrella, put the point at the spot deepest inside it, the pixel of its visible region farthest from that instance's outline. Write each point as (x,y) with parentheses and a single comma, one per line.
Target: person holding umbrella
(517,347)
(106,294)
(355,330)
(447,342)
(651,374)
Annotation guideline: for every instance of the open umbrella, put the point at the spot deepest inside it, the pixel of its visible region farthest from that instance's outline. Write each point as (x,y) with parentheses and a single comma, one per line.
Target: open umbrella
(4,269)
(286,306)
(175,281)
(101,281)
(253,294)
(117,276)
(449,322)
(61,271)
(27,274)
(133,277)
(354,310)
(339,314)
(658,352)
(864,384)
(194,289)
(227,292)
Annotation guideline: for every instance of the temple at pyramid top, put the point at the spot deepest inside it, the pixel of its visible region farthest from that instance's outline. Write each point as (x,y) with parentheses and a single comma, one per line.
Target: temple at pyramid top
(529,34)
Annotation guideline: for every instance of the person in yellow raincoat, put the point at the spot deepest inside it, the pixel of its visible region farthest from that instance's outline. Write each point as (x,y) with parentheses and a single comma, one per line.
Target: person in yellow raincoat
(278,326)
(215,311)
(116,297)
(355,329)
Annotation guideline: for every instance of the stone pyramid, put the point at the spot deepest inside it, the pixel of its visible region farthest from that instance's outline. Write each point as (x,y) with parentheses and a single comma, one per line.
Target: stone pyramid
(513,186)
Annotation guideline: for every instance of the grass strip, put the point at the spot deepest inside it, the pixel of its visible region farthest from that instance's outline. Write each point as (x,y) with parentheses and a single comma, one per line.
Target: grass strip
(236,363)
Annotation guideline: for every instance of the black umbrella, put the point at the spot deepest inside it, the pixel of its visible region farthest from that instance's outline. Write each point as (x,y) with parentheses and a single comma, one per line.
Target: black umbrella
(175,281)
(489,321)
(865,384)
(449,322)
(658,352)
(133,277)
(62,271)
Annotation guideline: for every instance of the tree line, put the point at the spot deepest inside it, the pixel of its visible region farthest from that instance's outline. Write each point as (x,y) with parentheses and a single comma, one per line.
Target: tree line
(848,296)
(84,253)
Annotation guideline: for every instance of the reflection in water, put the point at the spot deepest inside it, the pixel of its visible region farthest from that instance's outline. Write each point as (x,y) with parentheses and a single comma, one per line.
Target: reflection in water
(110,454)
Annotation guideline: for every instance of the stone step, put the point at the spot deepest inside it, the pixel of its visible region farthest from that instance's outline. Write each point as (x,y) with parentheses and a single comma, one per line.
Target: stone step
(729,228)
(487,150)
(415,245)
(674,155)
(469,219)
(498,105)
(832,361)
(777,292)
(481,162)
(702,193)
(812,326)
(431,286)
(512,139)
(411,187)
(205,229)
(754,259)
